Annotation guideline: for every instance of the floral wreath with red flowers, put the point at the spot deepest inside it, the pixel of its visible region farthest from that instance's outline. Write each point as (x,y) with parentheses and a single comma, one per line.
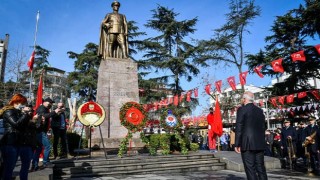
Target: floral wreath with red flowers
(133,116)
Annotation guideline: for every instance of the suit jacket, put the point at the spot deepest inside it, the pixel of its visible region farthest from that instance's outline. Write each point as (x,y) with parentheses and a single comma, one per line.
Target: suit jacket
(250,128)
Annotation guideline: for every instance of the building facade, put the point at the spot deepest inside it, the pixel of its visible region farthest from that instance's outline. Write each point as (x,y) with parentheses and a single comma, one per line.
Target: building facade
(3,56)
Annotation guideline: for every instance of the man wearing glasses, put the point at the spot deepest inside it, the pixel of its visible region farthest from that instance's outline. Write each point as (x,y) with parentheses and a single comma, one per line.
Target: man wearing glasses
(59,130)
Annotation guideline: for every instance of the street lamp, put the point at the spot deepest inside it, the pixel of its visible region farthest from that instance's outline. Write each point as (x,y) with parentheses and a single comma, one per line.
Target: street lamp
(266,95)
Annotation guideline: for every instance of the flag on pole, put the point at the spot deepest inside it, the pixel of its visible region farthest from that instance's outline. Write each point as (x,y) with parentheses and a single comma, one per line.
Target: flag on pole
(195,92)
(31,61)
(217,122)
(39,94)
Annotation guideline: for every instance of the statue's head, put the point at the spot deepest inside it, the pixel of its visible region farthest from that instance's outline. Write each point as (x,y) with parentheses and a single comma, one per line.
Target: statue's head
(115,3)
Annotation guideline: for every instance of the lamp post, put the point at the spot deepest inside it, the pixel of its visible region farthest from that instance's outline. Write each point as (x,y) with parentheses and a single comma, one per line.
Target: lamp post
(267,94)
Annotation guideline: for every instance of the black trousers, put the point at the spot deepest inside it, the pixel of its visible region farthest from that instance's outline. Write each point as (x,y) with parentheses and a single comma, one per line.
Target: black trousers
(253,162)
(62,135)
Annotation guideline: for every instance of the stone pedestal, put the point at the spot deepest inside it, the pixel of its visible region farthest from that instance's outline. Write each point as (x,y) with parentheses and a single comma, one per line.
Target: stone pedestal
(117,84)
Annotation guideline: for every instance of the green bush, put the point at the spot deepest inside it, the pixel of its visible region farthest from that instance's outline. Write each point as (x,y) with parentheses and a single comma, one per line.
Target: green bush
(164,142)
(194,146)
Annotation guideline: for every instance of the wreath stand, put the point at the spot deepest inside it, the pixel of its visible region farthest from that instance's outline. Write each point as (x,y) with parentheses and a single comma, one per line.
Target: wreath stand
(90,148)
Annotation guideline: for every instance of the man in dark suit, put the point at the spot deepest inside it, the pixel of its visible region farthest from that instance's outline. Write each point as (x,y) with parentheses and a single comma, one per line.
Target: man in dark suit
(250,137)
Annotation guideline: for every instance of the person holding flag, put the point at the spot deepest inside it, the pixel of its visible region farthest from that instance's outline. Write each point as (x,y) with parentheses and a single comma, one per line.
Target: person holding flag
(250,137)
(214,126)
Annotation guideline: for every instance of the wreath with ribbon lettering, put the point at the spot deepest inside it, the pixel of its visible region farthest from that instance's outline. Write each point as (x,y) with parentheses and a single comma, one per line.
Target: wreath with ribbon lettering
(170,119)
(133,116)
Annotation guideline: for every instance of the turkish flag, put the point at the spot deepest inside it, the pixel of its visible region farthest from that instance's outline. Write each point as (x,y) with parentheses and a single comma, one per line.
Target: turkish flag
(189,96)
(217,122)
(317,48)
(176,100)
(243,77)
(31,61)
(181,97)
(261,103)
(231,80)
(155,106)
(208,89)
(170,100)
(281,99)
(39,94)
(315,93)
(218,85)
(302,94)
(195,91)
(298,56)
(277,65)
(274,101)
(258,71)
(290,98)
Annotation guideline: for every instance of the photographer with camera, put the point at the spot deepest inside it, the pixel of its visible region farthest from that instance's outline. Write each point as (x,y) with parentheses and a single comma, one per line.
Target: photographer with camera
(15,143)
(59,129)
(44,115)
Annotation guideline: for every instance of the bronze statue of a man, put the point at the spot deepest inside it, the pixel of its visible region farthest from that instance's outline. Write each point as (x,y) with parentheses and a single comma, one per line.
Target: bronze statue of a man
(114,35)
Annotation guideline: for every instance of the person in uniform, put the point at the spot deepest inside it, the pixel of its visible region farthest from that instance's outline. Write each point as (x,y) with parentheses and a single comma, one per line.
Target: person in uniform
(288,133)
(312,135)
(113,35)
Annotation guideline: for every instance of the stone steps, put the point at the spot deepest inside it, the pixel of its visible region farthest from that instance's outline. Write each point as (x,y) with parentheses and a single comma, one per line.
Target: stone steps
(141,164)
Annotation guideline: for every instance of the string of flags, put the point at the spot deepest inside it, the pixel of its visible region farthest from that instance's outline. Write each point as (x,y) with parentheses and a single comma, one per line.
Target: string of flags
(276,66)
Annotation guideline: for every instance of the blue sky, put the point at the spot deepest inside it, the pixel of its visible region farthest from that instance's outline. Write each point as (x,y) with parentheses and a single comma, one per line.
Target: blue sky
(68,25)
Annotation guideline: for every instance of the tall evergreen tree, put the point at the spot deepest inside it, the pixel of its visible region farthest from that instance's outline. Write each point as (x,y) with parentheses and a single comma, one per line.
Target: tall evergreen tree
(169,51)
(288,37)
(83,80)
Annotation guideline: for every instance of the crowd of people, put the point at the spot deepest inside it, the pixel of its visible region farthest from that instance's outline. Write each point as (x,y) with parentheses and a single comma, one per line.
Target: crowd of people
(291,143)
(26,135)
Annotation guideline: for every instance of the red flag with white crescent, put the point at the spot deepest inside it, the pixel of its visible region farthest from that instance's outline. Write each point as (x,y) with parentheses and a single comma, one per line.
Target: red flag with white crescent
(315,93)
(277,65)
(31,61)
(243,77)
(290,98)
(231,80)
(208,89)
(195,92)
(258,71)
(298,56)
(218,85)
(189,96)
(302,94)
(176,100)
(281,99)
(274,101)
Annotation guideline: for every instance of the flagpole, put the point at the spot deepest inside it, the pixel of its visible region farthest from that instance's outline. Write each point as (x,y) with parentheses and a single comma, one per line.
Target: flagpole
(34,48)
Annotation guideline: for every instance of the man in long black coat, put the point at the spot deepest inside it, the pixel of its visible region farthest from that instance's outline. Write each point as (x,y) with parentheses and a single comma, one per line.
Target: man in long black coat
(312,132)
(250,137)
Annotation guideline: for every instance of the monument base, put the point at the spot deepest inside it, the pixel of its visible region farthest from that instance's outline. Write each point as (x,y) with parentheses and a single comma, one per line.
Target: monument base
(114,143)
(117,85)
